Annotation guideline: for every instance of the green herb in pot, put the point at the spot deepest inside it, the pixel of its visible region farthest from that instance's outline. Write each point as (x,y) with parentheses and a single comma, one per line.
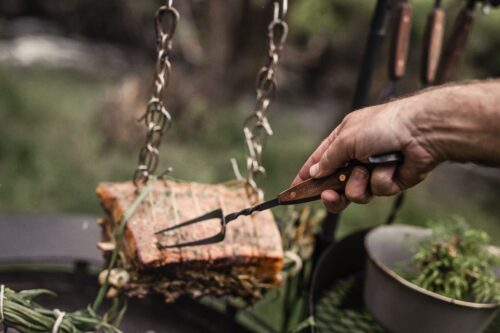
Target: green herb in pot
(455,262)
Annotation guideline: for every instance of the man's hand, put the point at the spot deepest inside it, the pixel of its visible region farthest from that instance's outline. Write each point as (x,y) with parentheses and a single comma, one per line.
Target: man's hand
(427,128)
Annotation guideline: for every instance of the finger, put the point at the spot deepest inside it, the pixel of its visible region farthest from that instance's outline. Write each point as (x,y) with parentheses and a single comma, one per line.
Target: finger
(413,171)
(334,157)
(382,181)
(313,159)
(333,201)
(357,188)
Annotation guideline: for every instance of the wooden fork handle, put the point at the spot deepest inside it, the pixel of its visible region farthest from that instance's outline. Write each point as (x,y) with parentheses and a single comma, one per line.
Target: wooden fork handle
(311,189)
(432,45)
(400,41)
(452,56)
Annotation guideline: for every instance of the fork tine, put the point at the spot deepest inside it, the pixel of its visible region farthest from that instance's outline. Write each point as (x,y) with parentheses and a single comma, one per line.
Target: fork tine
(210,240)
(208,216)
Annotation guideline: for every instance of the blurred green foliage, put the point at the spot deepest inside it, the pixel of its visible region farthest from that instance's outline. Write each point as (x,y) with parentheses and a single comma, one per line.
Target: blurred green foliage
(53,150)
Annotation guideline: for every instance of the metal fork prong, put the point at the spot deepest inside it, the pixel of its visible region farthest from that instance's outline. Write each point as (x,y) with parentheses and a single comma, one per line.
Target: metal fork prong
(210,240)
(208,216)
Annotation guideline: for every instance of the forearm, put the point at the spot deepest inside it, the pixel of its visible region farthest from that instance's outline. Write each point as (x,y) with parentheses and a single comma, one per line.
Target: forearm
(460,122)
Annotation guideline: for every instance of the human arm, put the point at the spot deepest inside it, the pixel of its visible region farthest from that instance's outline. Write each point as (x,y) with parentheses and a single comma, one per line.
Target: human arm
(459,122)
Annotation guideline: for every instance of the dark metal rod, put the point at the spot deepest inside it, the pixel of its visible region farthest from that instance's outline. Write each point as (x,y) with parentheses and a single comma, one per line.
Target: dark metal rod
(371,54)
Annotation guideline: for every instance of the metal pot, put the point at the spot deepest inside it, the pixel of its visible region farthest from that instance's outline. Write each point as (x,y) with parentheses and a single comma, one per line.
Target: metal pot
(403,307)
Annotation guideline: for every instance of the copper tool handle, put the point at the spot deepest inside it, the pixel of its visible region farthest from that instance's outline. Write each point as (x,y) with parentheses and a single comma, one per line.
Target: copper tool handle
(311,189)
(401,41)
(455,46)
(432,45)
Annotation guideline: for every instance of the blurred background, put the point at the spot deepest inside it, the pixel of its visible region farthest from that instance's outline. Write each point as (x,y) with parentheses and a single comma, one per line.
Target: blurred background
(75,76)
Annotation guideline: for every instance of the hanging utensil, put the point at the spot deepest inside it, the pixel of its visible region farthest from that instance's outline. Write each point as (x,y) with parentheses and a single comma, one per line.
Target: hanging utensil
(432,44)
(376,37)
(399,49)
(455,46)
(397,69)
(371,55)
(431,51)
(307,191)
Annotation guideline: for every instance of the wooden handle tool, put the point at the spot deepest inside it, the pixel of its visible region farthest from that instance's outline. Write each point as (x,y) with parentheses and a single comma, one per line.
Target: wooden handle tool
(455,46)
(432,45)
(400,41)
(310,190)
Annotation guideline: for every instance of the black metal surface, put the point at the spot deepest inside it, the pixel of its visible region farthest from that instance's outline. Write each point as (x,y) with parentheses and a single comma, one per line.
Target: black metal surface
(340,260)
(70,241)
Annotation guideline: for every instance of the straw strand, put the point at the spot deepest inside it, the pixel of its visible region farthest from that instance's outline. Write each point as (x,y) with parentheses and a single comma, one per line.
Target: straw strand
(60,317)
(2,293)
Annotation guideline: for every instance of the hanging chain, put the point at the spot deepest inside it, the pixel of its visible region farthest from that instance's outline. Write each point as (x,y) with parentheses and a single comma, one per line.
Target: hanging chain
(256,127)
(156,117)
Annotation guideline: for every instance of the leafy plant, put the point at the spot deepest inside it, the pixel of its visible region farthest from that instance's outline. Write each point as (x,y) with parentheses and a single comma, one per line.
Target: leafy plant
(455,262)
(22,313)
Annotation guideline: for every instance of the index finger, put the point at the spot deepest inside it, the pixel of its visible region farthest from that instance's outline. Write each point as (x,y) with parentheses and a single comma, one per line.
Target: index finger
(315,157)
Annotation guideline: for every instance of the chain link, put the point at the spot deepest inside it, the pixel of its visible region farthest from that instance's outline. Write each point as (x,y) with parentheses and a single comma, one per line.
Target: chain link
(156,117)
(256,127)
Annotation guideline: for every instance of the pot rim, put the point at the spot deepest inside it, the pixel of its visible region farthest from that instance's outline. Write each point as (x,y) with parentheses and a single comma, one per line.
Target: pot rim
(413,286)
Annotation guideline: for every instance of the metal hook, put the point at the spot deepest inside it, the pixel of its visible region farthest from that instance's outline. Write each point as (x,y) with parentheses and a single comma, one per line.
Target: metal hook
(284,9)
(170,3)
(276,11)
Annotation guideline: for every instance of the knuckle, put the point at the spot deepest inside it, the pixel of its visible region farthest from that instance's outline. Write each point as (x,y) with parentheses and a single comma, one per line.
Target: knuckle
(331,207)
(326,159)
(382,185)
(360,198)
(358,195)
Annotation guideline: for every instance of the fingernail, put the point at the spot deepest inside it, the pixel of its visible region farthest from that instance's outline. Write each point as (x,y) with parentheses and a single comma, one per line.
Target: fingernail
(314,170)
(359,174)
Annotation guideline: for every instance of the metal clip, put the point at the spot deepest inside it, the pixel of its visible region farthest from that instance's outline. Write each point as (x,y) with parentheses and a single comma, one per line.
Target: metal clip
(279,15)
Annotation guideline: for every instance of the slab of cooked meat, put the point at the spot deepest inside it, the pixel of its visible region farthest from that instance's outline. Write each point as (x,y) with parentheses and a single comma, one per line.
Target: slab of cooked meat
(246,262)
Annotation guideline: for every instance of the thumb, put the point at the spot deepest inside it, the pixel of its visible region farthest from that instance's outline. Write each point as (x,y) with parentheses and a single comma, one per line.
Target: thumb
(333,158)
